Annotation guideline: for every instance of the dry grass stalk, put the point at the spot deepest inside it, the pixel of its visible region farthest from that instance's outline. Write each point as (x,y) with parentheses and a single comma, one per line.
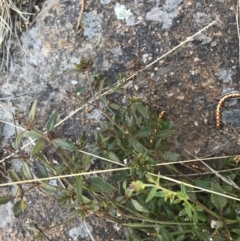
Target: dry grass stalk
(7,9)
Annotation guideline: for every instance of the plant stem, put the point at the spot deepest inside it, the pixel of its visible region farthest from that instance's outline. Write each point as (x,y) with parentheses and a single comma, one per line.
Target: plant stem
(205,208)
(90,87)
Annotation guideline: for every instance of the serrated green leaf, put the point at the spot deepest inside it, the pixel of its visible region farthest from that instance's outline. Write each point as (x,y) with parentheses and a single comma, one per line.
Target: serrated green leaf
(38,146)
(100,185)
(143,110)
(78,187)
(67,145)
(26,171)
(48,189)
(32,111)
(218,201)
(138,206)
(52,121)
(19,139)
(40,170)
(13,176)
(151,194)
(5,199)
(34,134)
(17,209)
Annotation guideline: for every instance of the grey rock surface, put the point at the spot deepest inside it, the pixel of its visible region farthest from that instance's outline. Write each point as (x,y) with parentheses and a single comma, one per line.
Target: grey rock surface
(114,32)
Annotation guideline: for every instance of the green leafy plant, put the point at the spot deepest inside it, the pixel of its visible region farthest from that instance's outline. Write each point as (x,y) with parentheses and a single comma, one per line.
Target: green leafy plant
(135,188)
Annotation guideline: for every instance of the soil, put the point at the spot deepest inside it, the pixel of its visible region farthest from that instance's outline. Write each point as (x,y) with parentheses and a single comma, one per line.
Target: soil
(187,83)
